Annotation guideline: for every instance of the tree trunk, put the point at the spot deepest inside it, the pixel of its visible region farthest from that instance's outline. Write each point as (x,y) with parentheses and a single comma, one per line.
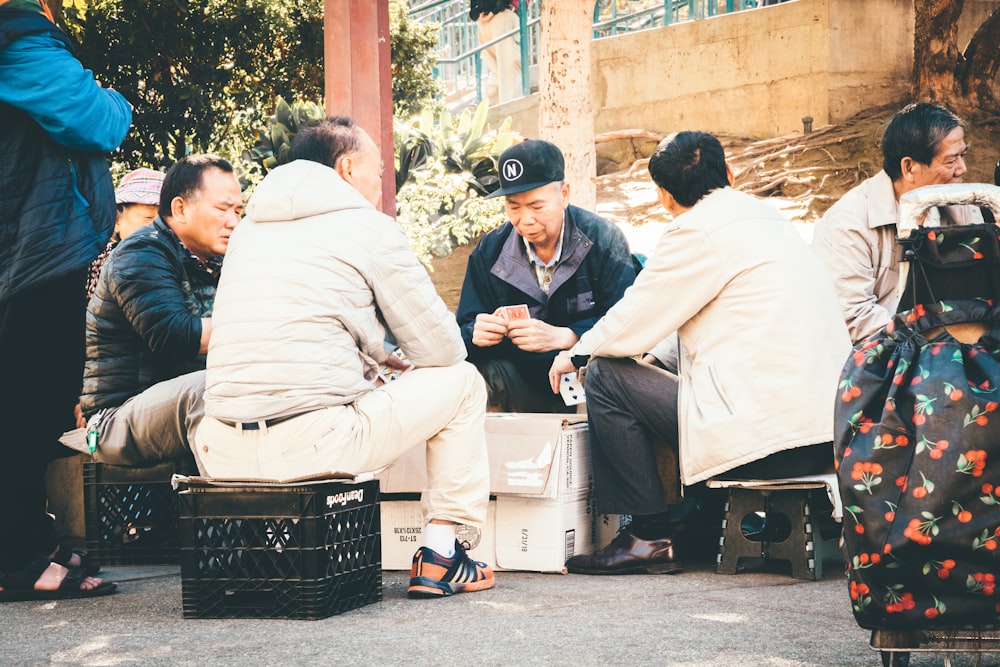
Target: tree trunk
(977,75)
(565,114)
(935,49)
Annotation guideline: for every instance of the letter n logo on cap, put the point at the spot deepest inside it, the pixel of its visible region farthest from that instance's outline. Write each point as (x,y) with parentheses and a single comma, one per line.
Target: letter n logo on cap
(512,169)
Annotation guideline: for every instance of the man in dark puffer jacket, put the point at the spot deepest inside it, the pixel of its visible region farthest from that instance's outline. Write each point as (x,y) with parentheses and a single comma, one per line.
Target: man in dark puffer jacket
(149,320)
(57,210)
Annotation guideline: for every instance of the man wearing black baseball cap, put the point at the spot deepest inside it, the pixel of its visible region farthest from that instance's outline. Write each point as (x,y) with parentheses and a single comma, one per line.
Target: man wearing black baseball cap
(538,282)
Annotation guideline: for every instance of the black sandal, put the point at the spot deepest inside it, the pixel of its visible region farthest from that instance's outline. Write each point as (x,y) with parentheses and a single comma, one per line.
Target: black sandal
(64,554)
(20,585)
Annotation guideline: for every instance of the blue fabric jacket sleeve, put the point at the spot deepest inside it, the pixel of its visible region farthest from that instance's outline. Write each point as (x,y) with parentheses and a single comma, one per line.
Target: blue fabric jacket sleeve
(40,76)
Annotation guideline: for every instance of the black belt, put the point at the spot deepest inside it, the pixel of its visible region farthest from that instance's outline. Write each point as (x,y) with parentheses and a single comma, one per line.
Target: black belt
(255,426)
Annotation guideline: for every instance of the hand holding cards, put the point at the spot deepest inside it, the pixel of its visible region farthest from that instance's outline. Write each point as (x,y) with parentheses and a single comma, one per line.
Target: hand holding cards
(389,371)
(571,389)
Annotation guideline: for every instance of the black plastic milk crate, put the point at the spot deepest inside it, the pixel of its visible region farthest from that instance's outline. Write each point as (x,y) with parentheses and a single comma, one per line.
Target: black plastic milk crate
(302,552)
(131,513)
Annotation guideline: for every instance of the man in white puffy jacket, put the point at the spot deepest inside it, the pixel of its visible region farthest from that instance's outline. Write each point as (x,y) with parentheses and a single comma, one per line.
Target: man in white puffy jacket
(315,276)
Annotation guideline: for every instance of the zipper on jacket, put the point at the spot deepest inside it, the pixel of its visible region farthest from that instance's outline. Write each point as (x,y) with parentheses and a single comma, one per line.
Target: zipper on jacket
(76,186)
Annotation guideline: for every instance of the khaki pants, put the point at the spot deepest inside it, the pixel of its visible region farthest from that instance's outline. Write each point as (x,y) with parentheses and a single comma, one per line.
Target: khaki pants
(446,407)
(503,60)
(154,425)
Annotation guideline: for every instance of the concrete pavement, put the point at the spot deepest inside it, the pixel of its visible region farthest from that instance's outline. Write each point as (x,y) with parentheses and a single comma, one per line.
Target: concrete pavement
(694,618)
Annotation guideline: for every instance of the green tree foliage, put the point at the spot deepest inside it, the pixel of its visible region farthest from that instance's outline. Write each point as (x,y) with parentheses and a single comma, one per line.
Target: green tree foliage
(202,74)
(444,167)
(198,72)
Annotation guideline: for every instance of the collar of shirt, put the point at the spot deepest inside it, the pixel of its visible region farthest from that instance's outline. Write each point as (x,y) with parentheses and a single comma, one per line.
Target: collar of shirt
(544,271)
(212,265)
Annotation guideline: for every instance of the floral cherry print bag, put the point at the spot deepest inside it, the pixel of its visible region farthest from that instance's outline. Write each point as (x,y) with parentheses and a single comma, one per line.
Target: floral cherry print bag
(917,442)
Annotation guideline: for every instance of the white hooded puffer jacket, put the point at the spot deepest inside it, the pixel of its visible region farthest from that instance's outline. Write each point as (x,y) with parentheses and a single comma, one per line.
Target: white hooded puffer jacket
(313,277)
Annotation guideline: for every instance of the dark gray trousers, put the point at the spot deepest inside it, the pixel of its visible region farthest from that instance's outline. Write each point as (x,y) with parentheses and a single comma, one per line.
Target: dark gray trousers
(632,409)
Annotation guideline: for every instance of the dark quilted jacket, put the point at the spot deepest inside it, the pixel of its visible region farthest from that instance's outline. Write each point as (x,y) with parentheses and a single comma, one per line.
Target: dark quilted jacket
(144,319)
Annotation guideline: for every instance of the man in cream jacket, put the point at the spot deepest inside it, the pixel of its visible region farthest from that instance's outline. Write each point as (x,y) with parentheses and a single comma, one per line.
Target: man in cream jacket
(762,342)
(315,278)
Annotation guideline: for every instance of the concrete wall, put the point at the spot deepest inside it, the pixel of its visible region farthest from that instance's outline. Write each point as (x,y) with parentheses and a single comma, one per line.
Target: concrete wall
(870,54)
(756,72)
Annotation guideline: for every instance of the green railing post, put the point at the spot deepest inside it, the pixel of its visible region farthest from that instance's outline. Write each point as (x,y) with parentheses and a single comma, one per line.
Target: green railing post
(522,18)
(478,63)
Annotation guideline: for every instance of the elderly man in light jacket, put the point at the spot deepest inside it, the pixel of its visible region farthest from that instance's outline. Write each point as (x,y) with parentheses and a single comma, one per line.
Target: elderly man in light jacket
(315,276)
(762,342)
(923,144)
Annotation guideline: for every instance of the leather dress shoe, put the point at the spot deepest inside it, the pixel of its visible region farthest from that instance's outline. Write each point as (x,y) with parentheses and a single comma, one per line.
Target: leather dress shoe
(628,554)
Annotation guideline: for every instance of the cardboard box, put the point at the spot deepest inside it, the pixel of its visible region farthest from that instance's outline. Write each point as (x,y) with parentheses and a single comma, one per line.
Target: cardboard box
(403,526)
(539,535)
(539,455)
(541,483)
(521,533)
(544,456)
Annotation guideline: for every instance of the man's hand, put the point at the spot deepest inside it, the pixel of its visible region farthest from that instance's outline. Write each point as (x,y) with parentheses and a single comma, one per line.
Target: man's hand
(488,330)
(533,335)
(560,365)
(392,361)
(395,363)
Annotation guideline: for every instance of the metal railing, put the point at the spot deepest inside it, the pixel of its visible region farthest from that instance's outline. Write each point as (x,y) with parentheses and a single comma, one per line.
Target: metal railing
(459,65)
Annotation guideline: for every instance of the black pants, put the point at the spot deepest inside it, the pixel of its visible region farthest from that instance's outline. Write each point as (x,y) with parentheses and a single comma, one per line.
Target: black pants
(41,369)
(520,388)
(631,407)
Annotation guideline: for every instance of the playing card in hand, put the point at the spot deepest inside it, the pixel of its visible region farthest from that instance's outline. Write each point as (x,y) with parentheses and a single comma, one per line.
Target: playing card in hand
(571,389)
(511,313)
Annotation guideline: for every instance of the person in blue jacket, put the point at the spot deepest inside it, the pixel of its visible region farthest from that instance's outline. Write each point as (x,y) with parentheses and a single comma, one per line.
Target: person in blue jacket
(566,265)
(57,210)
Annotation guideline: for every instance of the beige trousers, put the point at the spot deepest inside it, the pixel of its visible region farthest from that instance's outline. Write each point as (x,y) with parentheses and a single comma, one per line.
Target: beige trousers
(446,407)
(503,60)
(154,425)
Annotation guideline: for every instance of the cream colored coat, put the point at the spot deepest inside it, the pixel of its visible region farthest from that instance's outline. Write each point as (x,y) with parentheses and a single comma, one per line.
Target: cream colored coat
(762,336)
(313,277)
(856,239)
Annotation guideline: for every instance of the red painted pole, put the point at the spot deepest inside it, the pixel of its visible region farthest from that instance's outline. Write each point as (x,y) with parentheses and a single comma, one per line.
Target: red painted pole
(358,75)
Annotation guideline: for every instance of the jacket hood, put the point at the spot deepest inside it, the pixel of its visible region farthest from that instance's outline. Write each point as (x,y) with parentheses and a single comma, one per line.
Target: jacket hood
(302,189)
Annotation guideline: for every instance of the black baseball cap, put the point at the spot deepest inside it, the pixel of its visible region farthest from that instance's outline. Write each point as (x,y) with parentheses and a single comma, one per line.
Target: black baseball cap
(529,165)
